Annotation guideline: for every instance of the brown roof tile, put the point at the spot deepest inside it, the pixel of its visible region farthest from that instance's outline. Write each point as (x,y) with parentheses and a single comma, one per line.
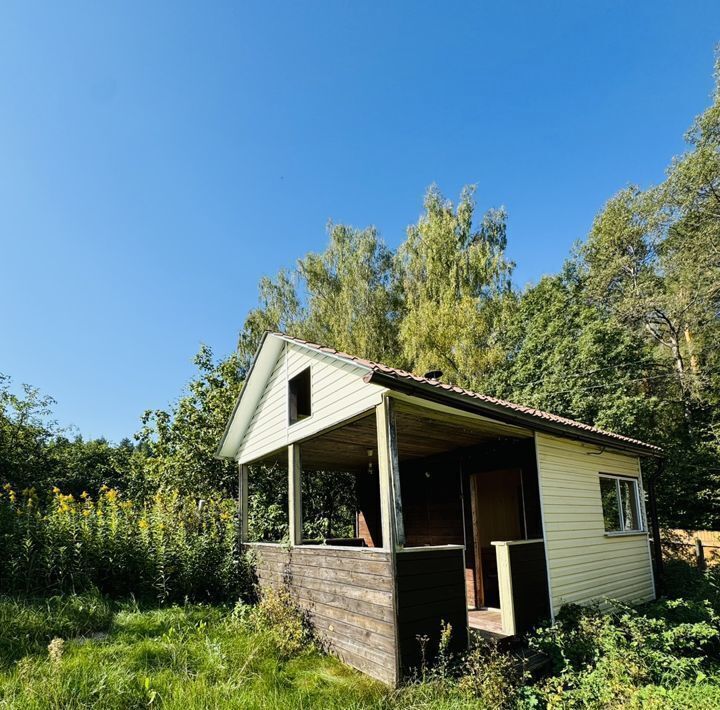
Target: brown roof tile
(510,406)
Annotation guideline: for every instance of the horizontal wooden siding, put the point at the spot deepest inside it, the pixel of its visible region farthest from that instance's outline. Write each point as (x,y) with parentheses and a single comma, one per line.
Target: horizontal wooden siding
(348,595)
(337,393)
(430,592)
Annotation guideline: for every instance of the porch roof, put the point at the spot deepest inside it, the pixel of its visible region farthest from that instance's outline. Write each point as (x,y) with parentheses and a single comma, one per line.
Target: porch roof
(461,398)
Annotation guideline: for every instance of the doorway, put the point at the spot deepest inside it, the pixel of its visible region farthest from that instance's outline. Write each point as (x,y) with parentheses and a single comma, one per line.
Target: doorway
(498,513)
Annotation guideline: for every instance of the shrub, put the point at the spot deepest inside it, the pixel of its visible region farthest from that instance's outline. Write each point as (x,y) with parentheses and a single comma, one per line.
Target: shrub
(492,677)
(482,676)
(278,615)
(169,548)
(686,581)
(601,658)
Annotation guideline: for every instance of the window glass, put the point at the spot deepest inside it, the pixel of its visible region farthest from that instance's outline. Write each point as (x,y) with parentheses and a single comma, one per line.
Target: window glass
(628,498)
(610,504)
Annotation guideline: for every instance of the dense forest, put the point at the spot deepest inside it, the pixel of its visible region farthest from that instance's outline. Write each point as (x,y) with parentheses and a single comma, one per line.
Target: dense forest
(626,336)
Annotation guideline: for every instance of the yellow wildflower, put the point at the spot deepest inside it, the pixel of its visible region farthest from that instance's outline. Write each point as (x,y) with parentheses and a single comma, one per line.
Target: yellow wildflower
(55,490)
(143,524)
(84,495)
(111,495)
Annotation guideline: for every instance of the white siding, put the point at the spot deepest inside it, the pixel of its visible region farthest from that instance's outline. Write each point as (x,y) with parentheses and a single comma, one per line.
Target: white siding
(584,563)
(337,392)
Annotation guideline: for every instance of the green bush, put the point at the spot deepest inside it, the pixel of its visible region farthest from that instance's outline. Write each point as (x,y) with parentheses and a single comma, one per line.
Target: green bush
(494,678)
(278,615)
(602,658)
(481,677)
(169,548)
(685,581)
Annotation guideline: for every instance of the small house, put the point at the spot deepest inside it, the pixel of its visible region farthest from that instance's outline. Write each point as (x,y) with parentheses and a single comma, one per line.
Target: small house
(470,511)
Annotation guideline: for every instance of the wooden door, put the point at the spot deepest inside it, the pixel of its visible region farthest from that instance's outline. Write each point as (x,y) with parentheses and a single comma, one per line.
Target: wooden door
(497,515)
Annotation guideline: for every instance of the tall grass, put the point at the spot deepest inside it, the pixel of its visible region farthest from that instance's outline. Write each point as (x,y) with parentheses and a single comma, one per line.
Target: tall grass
(27,626)
(662,656)
(168,548)
(186,657)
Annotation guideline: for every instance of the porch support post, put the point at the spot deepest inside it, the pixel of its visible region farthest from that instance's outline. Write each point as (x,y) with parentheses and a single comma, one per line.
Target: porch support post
(242,503)
(393,531)
(295,523)
(505,585)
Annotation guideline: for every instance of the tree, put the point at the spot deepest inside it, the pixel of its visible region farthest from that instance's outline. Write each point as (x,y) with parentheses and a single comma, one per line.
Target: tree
(347,296)
(653,268)
(25,431)
(280,309)
(182,440)
(353,298)
(565,357)
(454,279)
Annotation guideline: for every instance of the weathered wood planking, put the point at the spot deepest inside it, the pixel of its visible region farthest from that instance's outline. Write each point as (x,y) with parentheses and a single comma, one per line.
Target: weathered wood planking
(430,591)
(529,585)
(348,595)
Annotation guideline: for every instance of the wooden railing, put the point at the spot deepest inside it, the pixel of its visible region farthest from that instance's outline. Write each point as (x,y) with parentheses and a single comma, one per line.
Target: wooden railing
(430,584)
(347,594)
(522,579)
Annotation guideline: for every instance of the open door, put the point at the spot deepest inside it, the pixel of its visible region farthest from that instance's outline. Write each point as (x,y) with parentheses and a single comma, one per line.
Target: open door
(497,514)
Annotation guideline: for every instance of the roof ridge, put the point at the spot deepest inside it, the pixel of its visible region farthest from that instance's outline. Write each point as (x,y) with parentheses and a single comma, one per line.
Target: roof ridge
(457,389)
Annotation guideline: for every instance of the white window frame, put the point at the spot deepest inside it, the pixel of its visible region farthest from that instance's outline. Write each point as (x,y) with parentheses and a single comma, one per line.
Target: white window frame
(638,507)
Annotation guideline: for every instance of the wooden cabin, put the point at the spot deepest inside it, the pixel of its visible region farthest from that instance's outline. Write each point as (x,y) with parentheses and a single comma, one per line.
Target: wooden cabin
(470,511)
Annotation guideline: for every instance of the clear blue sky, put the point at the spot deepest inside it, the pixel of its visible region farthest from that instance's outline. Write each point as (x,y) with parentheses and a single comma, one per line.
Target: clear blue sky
(156,158)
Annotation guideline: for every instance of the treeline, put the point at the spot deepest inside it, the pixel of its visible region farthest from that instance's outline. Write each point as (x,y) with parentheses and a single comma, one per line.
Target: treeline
(625,336)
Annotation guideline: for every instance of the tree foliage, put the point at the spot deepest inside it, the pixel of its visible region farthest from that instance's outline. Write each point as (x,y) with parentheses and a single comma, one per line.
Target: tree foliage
(454,276)
(181,442)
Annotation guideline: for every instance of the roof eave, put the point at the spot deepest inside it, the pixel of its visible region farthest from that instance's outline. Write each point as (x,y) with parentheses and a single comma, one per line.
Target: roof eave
(218,454)
(425,391)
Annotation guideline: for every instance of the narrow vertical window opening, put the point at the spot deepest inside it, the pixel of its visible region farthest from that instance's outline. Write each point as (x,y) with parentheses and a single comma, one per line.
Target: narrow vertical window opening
(299,396)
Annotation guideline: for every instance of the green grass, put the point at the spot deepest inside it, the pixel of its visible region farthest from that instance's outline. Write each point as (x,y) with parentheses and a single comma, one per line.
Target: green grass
(121,655)
(177,657)
(26,627)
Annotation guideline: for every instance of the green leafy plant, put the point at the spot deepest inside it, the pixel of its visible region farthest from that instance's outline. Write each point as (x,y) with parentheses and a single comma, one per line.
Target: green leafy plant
(168,548)
(278,614)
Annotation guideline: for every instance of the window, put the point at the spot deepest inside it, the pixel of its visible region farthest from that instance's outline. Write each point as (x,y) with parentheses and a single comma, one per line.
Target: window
(620,504)
(299,396)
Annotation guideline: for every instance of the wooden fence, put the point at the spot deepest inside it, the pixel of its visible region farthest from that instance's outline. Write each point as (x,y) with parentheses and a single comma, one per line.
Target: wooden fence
(699,546)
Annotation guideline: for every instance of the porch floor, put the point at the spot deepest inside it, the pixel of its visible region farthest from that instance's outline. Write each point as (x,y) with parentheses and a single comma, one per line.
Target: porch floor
(487,621)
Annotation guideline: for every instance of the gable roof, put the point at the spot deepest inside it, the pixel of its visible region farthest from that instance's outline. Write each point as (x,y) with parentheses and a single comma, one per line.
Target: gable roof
(459,397)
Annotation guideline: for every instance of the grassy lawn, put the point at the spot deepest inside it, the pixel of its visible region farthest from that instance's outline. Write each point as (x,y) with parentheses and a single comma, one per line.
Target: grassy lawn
(178,657)
(194,656)
(83,651)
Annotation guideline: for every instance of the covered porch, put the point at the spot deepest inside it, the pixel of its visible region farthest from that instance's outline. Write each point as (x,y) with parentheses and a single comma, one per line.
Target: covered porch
(451,496)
